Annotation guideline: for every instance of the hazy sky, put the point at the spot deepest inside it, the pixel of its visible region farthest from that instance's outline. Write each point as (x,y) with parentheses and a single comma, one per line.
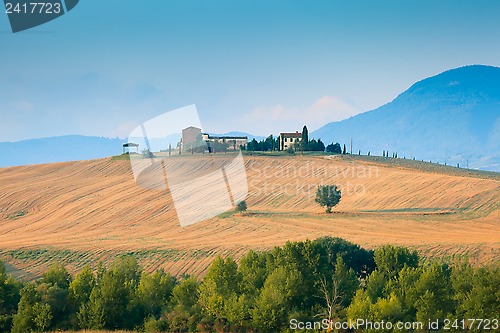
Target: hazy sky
(255,66)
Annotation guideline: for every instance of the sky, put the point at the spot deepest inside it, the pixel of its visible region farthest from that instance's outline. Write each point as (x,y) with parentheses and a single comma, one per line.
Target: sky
(259,66)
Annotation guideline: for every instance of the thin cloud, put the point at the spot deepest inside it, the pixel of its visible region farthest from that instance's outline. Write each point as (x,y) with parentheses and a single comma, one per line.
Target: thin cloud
(329,108)
(23,106)
(278,118)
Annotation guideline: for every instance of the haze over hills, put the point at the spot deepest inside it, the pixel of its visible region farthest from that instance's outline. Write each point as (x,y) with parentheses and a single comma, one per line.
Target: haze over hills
(75,148)
(449,118)
(453,117)
(58,149)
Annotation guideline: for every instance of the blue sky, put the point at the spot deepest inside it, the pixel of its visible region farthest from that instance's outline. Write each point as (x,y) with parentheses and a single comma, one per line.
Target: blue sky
(255,66)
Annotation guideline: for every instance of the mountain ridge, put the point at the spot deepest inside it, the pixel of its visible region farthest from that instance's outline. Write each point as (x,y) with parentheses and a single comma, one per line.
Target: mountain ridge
(452,118)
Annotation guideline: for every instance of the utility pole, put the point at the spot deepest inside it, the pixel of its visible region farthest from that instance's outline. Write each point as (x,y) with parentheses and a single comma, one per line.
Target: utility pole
(351,146)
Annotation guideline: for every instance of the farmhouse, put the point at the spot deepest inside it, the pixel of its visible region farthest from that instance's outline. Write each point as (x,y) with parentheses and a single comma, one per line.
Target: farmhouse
(287,140)
(232,142)
(189,135)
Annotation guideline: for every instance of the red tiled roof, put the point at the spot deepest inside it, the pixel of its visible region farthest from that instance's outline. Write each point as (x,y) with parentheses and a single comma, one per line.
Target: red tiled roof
(291,135)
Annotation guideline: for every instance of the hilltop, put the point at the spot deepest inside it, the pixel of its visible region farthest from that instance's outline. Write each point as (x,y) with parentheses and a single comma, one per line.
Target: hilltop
(453,118)
(86,211)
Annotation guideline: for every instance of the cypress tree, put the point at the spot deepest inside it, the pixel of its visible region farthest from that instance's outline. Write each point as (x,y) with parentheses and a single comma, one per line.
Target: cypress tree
(305,138)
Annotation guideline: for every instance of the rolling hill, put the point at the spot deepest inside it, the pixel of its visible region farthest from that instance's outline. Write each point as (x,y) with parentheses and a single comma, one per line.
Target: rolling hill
(452,118)
(86,211)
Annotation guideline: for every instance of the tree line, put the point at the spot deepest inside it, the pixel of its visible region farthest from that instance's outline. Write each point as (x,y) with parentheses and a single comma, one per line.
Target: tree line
(328,278)
(271,143)
(268,144)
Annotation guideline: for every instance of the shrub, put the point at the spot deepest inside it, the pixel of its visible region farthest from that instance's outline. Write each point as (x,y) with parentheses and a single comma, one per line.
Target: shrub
(241,206)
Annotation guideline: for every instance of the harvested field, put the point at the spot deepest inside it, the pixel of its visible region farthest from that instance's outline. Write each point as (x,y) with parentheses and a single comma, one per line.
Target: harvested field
(83,212)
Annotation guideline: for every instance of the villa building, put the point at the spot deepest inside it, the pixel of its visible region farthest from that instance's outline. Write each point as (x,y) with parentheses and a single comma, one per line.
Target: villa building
(189,135)
(287,140)
(232,142)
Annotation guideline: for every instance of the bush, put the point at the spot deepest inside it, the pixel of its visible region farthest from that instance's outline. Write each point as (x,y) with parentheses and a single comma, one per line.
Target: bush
(241,206)
(152,326)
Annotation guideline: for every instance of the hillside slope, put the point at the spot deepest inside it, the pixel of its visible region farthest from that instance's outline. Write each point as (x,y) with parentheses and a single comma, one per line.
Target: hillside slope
(82,212)
(453,117)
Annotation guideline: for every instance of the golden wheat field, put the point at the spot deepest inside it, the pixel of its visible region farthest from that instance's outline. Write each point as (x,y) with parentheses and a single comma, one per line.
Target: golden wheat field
(87,211)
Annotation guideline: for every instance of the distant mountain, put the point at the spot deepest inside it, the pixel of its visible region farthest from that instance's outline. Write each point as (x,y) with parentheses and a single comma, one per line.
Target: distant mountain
(58,149)
(453,117)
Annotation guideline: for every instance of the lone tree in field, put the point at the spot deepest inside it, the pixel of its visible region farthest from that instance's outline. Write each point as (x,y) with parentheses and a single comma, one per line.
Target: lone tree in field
(328,195)
(241,206)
